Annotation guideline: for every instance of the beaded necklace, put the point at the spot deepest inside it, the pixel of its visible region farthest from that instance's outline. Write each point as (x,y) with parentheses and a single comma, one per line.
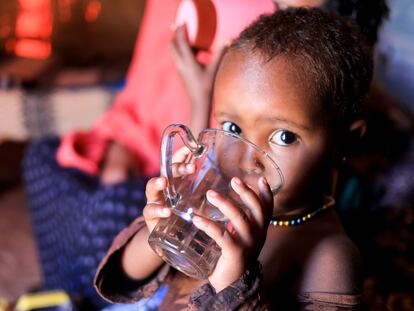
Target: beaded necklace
(301,219)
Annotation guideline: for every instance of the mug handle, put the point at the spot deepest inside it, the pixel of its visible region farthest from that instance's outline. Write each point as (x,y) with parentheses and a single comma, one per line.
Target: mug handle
(167,142)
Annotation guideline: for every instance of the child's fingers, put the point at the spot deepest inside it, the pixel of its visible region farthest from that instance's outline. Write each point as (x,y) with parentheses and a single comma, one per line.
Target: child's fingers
(251,200)
(180,169)
(266,196)
(238,218)
(216,231)
(181,155)
(154,211)
(154,188)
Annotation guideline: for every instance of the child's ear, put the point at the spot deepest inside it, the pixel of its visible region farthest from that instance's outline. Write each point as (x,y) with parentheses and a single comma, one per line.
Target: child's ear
(350,140)
(354,136)
(357,130)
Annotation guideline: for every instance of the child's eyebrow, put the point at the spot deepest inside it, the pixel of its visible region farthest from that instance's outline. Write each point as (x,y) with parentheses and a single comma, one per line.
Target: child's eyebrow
(224,115)
(288,122)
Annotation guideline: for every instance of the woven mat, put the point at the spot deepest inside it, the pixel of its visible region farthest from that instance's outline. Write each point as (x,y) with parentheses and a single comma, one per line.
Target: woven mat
(26,115)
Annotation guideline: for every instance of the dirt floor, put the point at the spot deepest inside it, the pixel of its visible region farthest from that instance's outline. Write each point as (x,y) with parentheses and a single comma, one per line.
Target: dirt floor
(19,267)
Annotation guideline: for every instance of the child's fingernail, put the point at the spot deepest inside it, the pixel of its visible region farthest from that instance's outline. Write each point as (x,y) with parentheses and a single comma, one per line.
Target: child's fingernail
(211,193)
(263,181)
(196,220)
(159,182)
(165,211)
(190,167)
(237,181)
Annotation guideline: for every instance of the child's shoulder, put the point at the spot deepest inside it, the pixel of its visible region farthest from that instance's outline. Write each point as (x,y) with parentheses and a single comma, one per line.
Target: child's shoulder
(334,265)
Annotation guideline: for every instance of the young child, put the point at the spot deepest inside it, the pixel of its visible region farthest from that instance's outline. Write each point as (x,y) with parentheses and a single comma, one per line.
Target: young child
(86,185)
(293,84)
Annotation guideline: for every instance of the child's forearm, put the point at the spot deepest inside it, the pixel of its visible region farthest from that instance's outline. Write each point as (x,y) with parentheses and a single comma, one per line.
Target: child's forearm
(139,261)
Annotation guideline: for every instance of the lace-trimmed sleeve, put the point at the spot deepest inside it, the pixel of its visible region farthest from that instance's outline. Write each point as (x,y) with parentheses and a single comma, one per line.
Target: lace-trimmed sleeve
(111,282)
(243,294)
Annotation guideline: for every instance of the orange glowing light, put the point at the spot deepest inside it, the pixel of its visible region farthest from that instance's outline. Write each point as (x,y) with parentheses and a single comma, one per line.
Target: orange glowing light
(33,25)
(93,10)
(33,29)
(35,5)
(30,48)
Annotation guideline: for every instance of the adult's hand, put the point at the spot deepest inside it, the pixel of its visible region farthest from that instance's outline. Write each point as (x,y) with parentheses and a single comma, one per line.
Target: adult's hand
(118,165)
(198,79)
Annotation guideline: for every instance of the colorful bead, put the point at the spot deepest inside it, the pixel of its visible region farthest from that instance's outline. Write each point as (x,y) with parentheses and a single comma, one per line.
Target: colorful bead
(299,220)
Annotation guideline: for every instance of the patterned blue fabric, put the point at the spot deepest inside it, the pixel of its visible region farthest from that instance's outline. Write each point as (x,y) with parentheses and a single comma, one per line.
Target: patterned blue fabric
(75,219)
(147,304)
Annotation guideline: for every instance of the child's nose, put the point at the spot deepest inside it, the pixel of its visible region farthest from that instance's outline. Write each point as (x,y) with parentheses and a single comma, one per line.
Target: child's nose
(250,162)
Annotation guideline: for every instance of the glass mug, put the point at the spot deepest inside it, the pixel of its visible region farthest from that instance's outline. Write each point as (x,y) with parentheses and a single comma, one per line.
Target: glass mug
(218,157)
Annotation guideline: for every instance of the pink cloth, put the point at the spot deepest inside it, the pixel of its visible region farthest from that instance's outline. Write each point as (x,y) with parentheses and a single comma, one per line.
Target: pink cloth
(154,96)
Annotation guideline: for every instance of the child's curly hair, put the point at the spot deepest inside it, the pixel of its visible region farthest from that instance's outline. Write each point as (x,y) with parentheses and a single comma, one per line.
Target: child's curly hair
(329,53)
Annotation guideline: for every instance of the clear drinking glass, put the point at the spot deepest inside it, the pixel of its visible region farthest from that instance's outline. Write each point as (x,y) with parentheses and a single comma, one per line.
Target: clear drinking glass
(218,157)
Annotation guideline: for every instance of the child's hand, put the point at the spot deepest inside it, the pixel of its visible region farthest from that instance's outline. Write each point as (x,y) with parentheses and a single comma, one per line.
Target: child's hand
(243,239)
(156,207)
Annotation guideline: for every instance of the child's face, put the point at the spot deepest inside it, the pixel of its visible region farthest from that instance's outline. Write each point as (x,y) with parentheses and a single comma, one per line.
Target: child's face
(268,104)
(284,4)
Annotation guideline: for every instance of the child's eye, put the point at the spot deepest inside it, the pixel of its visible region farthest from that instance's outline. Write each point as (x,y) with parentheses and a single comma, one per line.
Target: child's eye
(231,127)
(283,138)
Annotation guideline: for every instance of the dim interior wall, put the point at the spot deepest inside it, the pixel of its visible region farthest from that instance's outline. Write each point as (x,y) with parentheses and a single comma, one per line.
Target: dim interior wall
(8,13)
(109,40)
